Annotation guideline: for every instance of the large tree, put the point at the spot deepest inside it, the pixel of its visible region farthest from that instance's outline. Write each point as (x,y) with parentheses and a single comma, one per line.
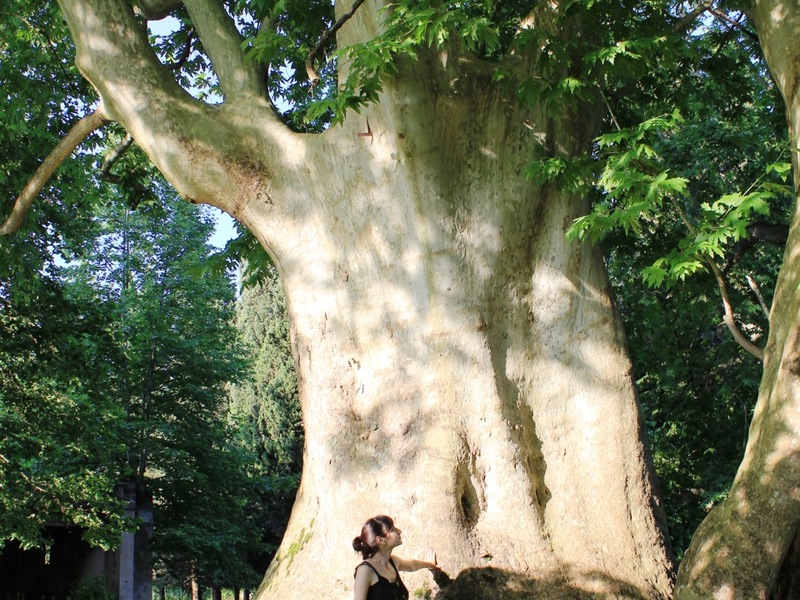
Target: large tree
(460,363)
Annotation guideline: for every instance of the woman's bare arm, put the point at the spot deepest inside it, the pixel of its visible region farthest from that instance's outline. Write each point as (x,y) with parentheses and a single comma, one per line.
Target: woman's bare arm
(414,565)
(364,578)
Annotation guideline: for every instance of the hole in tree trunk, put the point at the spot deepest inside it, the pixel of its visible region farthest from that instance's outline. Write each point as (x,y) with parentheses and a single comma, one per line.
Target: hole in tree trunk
(470,503)
(787,583)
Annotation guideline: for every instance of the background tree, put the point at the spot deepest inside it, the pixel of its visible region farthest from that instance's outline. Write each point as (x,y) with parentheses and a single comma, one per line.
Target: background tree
(67,442)
(89,281)
(745,547)
(173,353)
(58,434)
(265,406)
(147,410)
(60,444)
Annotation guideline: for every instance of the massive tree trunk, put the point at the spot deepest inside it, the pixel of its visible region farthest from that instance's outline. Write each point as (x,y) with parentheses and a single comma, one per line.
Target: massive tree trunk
(461,365)
(747,547)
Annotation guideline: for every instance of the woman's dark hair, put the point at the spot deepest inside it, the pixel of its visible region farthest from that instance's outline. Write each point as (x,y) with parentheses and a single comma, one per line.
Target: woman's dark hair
(367,542)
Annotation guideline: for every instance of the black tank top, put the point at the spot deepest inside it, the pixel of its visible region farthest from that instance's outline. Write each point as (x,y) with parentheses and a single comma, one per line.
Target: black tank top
(385,589)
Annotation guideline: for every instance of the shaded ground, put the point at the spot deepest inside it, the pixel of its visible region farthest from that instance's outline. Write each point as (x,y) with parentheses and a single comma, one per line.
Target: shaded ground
(489,583)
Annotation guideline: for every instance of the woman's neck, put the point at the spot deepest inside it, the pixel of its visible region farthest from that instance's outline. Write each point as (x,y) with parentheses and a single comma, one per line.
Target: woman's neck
(382,557)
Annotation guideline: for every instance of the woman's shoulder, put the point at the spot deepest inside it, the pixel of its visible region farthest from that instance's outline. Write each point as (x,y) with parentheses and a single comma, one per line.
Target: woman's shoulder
(365,569)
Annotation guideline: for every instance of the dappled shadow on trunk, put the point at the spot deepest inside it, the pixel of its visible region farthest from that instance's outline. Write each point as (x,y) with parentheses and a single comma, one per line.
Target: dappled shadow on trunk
(489,583)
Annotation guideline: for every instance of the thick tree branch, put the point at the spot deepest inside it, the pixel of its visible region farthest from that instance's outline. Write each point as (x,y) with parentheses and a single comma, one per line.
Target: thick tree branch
(735,24)
(113,50)
(759,231)
(690,17)
(313,76)
(237,75)
(757,291)
(115,155)
(728,319)
(210,154)
(79,132)
(155,10)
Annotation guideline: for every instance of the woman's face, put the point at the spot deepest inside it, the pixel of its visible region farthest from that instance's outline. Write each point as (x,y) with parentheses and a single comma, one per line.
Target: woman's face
(393,537)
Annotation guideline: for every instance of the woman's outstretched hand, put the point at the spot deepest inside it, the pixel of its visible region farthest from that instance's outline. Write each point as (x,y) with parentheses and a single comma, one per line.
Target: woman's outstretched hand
(433,564)
(441,578)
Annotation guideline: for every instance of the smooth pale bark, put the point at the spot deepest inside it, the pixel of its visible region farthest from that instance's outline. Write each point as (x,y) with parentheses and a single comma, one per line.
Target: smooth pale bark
(77,134)
(739,550)
(461,365)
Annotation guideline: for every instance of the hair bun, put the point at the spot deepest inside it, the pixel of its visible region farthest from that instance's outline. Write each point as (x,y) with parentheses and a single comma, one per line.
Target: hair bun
(358,544)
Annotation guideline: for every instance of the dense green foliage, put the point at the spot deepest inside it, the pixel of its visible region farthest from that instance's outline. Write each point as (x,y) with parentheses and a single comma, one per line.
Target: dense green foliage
(103,273)
(675,192)
(60,444)
(173,352)
(42,96)
(266,407)
(48,401)
(155,329)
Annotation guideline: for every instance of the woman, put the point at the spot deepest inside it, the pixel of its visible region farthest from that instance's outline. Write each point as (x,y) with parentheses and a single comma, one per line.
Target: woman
(378,577)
